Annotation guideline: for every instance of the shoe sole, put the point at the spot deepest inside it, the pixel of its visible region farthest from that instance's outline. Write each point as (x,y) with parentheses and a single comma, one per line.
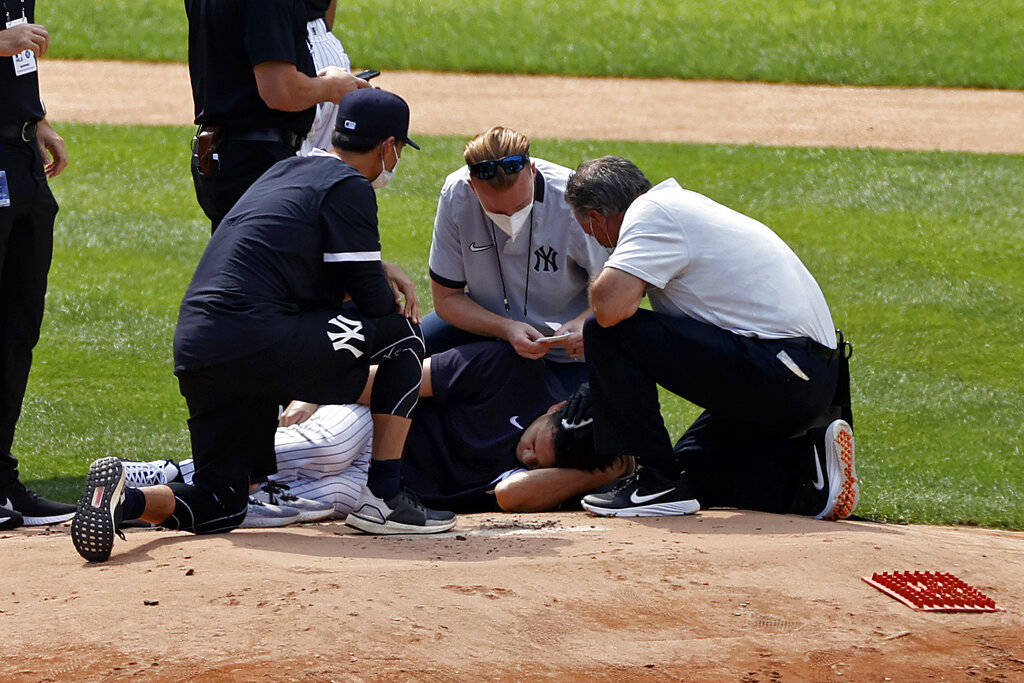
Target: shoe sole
(314,515)
(92,529)
(680,507)
(391,528)
(256,522)
(844,489)
(52,519)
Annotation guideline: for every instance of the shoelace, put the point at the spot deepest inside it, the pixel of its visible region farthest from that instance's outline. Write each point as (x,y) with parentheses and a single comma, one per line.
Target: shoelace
(140,474)
(276,489)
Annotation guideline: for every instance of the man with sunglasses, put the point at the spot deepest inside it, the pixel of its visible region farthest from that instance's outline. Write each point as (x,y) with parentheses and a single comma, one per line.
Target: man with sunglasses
(506,260)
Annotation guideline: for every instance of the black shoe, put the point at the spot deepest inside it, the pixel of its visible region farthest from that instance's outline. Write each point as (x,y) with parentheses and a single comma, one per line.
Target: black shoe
(33,508)
(834,491)
(99,510)
(403,513)
(9,519)
(645,493)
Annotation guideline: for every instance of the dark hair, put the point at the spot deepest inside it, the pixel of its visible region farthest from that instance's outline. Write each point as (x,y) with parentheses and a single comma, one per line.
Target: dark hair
(353,143)
(575,447)
(607,185)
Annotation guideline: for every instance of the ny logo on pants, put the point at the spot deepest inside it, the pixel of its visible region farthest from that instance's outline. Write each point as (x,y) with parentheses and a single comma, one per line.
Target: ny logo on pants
(348,330)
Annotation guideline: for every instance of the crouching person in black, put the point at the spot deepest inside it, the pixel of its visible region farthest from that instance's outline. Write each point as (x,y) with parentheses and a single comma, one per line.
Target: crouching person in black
(265,320)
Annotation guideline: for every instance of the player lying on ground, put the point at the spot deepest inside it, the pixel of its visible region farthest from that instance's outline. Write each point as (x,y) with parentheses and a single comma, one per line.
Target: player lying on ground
(264,320)
(738,326)
(487,436)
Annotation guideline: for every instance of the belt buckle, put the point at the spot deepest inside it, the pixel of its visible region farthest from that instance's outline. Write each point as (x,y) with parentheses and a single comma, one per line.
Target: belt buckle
(28,131)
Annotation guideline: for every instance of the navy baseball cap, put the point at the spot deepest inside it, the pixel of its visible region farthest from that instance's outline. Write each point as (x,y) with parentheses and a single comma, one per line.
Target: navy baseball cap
(374,113)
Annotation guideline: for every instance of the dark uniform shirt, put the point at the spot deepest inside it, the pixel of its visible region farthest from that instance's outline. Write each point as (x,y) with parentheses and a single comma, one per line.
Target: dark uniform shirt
(465,436)
(279,251)
(226,39)
(316,9)
(19,95)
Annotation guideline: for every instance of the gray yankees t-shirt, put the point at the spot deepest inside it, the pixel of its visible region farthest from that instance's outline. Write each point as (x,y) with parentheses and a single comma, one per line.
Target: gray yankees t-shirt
(544,270)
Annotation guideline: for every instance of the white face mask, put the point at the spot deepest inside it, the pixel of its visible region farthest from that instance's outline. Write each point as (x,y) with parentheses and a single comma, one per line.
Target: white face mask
(385,176)
(511,225)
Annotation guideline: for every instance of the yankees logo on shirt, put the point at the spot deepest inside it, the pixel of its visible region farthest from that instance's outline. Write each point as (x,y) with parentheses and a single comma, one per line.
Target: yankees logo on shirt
(348,330)
(544,259)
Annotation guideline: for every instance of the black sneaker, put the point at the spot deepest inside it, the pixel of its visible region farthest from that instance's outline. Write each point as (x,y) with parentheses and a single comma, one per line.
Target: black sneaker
(33,508)
(645,493)
(9,519)
(834,491)
(403,513)
(99,510)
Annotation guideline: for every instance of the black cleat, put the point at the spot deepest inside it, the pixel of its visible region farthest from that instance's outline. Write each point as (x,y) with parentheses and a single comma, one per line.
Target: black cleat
(99,510)
(9,519)
(834,491)
(33,508)
(645,493)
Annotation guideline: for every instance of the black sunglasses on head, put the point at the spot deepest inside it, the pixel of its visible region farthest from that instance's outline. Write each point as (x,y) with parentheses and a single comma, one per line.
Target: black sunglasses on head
(485,170)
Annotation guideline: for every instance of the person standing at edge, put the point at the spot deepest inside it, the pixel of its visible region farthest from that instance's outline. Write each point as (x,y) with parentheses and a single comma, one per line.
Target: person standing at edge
(738,326)
(265,321)
(27,213)
(255,92)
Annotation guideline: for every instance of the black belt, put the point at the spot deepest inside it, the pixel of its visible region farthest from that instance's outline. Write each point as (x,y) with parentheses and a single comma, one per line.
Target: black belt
(286,137)
(821,350)
(26,132)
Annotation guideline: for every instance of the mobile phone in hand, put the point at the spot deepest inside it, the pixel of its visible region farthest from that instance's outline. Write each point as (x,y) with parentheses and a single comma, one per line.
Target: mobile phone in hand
(368,74)
(553,338)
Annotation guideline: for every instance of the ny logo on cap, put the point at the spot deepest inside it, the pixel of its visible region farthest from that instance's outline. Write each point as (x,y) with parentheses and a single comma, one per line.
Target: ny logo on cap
(351,125)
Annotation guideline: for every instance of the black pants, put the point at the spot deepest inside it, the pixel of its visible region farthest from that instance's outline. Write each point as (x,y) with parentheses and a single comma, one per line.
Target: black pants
(755,406)
(233,406)
(240,163)
(26,248)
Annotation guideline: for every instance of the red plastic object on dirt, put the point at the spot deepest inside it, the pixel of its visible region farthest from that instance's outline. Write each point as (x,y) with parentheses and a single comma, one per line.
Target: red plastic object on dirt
(932,591)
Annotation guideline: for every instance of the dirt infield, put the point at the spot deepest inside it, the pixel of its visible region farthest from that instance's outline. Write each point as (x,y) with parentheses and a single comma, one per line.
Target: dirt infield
(723,595)
(662,110)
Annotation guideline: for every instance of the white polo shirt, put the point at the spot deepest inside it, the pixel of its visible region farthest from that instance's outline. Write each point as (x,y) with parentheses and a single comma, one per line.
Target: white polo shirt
(544,275)
(706,261)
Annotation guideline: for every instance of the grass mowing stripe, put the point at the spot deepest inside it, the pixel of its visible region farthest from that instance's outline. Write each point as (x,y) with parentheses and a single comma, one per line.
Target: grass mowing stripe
(880,42)
(918,254)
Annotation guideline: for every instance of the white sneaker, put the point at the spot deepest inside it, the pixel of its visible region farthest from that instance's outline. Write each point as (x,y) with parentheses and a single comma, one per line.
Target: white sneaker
(262,515)
(151,473)
(403,513)
(276,493)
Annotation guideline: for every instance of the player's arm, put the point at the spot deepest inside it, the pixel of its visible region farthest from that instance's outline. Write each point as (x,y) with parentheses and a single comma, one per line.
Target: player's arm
(270,46)
(615,295)
(352,251)
(547,488)
(285,88)
(17,39)
(53,149)
(332,8)
(455,307)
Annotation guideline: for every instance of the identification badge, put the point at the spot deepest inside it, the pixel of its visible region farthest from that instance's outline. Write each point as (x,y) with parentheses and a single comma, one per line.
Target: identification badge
(24,62)
(5,194)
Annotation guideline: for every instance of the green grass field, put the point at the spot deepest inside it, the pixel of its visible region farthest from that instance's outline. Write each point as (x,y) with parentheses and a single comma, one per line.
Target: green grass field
(880,42)
(919,255)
